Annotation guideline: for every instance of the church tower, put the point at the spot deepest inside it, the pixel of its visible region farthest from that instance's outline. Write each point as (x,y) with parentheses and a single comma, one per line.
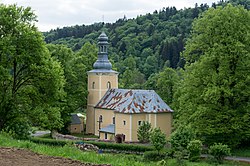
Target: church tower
(100,79)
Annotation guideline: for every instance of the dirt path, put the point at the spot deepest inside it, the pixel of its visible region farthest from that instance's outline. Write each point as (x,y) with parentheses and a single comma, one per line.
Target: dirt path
(21,157)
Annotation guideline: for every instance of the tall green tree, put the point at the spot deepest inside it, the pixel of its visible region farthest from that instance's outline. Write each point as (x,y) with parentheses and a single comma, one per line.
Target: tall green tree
(70,104)
(215,93)
(167,83)
(88,54)
(31,82)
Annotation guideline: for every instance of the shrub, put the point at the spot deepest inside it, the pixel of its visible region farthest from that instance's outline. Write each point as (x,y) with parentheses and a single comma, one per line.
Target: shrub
(143,132)
(153,156)
(181,137)
(18,128)
(180,154)
(169,152)
(158,139)
(194,149)
(219,151)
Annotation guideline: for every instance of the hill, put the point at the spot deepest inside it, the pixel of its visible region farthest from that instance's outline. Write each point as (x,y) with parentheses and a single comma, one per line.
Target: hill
(143,45)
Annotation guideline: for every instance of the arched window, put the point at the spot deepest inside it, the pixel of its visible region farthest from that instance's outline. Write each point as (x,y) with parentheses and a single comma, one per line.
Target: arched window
(108,85)
(93,85)
(100,118)
(113,120)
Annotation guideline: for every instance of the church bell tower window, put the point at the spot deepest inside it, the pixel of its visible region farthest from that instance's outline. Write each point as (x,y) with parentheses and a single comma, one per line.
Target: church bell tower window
(108,85)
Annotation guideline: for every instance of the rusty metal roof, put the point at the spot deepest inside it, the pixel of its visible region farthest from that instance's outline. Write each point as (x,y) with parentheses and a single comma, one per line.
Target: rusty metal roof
(133,101)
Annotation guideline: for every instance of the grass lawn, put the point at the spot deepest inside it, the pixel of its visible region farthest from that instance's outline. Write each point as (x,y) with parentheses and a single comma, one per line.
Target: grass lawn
(81,135)
(70,151)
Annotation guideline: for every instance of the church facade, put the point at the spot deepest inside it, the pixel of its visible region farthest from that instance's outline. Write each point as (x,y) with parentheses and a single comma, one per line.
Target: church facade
(112,111)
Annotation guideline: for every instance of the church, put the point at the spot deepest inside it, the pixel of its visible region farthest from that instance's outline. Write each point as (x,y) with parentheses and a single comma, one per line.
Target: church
(112,111)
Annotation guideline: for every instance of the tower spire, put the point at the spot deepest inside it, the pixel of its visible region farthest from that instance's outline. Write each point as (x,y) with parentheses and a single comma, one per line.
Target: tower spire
(102,61)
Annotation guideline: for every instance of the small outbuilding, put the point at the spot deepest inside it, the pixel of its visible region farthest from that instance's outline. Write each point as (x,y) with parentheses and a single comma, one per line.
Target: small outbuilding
(77,123)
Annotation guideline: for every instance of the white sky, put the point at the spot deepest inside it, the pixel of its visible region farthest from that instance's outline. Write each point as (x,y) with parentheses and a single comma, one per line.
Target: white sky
(59,13)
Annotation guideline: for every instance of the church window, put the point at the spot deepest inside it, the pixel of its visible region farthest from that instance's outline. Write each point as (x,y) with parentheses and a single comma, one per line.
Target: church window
(93,85)
(108,85)
(139,122)
(113,120)
(106,136)
(100,118)
(124,122)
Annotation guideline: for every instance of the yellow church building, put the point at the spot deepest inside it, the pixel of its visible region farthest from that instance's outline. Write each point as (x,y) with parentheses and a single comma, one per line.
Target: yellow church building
(112,111)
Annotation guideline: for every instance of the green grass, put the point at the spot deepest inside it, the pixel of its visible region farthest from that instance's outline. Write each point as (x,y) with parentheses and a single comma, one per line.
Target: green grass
(69,151)
(73,153)
(81,135)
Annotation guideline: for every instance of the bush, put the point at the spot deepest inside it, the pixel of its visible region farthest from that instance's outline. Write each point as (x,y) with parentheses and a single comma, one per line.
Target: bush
(143,132)
(169,153)
(153,156)
(158,139)
(181,137)
(194,149)
(219,151)
(18,128)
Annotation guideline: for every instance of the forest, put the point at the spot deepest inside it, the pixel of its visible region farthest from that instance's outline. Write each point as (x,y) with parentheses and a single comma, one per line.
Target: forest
(197,59)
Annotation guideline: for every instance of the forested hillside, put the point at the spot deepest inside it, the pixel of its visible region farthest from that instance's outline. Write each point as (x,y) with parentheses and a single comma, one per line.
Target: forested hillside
(141,46)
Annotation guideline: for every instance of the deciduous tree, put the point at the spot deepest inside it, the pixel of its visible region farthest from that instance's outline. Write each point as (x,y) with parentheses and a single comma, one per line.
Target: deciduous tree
(31,82)
(215,92)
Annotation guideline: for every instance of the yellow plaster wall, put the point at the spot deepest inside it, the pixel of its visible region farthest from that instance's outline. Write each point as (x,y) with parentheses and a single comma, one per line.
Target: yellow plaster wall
(90,120)
(109,78)
(135,126)
(152,119)
(107,118)
(164,121)
(96,93)
(120,128)
(75,128)
(110,137)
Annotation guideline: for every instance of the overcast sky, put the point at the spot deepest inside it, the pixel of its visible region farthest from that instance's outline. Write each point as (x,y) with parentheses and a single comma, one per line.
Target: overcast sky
(59,13)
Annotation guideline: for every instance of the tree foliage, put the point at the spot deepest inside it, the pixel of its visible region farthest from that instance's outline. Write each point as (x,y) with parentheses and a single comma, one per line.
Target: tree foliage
(151,39)
(214,95)
(144,131)
(167,84)
(158,139)
(31,82)
(181,137)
